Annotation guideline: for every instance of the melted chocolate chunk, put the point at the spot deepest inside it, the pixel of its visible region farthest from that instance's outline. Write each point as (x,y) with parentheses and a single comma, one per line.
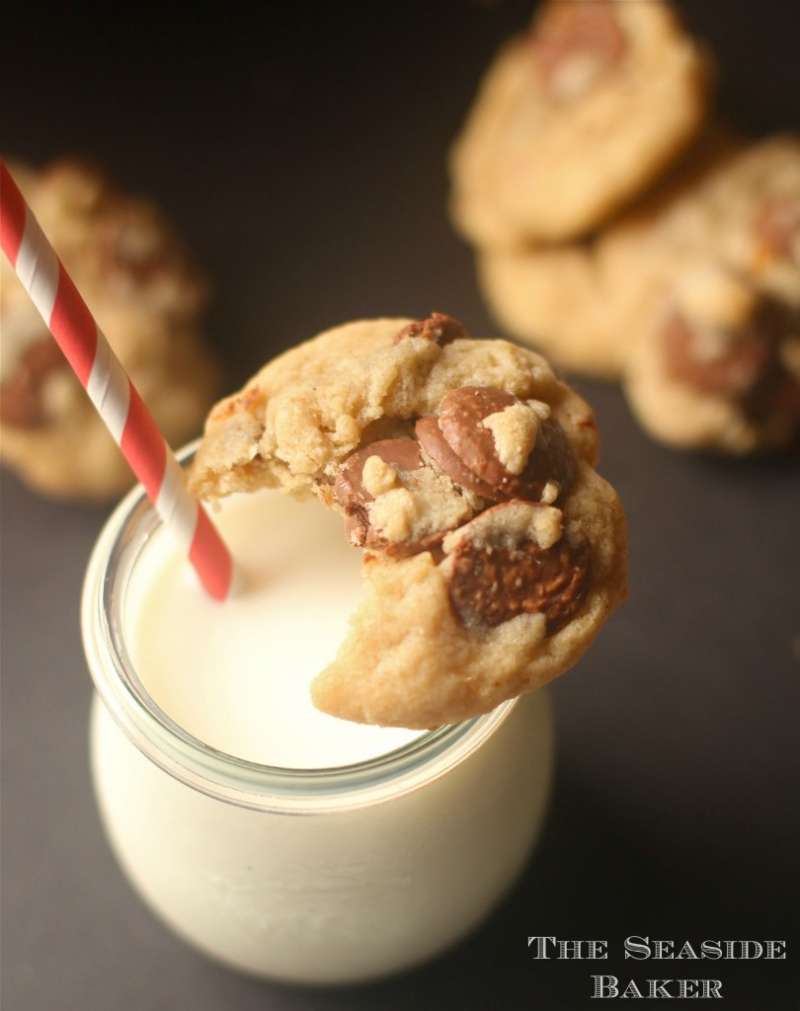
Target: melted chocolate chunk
(749,370)
(472,443)
(491,583)
(731,373)
(438,449)
(401,454)
(353,497)
(438,328)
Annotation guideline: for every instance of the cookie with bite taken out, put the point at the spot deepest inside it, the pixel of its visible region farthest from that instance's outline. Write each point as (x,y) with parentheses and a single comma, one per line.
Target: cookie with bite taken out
(464,469)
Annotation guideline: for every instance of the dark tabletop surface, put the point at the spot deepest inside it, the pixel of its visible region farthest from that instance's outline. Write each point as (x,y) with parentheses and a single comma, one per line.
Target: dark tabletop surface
(302,157)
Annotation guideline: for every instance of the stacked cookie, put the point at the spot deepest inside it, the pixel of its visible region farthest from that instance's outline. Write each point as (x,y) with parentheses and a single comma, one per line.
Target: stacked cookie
(624,237)
(147,298)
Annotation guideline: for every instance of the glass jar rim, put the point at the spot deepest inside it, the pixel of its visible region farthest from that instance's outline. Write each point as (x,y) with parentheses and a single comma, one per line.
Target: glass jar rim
(216,773)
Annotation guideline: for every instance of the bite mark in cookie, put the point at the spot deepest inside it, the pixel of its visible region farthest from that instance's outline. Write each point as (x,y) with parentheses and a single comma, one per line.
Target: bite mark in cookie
(467,602)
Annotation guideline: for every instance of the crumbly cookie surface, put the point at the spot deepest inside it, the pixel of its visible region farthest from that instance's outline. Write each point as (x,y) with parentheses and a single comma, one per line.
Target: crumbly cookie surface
(574,118)
(464,468)
(147,299)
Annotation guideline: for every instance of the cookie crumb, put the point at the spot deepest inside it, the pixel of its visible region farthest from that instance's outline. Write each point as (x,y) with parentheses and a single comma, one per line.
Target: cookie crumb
(377,476)
(514,430)
(392,515)
(547,526)
(541,408)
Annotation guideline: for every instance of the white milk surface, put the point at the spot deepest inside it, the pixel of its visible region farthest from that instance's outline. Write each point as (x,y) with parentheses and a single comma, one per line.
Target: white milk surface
(236,675)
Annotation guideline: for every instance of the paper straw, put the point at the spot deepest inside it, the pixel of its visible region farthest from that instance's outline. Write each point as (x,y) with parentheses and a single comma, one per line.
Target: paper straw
(113,394)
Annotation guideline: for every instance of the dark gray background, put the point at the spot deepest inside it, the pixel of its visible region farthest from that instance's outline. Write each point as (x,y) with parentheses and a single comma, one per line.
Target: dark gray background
(302,155)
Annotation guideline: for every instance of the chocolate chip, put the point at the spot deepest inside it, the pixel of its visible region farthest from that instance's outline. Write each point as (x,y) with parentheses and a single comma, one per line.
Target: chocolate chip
(574,43)
(748,367)
(776,390)
(419,508)
(349,491)
(21,395)
(438,327)
(436,446)
(460,422)
(401,454)
(494,581)
(460,418)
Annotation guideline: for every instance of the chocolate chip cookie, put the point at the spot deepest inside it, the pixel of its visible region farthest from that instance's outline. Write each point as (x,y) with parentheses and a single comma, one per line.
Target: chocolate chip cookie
(574,118)
(720,366)
(583,303)
(493,551)
(147,298)
(715,365)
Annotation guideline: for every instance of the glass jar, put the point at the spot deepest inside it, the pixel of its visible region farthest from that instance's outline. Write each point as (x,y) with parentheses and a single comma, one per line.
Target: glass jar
(313,876)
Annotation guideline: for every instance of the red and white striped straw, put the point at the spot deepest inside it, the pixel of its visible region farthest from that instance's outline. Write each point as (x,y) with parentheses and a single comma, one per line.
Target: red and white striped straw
(113,394)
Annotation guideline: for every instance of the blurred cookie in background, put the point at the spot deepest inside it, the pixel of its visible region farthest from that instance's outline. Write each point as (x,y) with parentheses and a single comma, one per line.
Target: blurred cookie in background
(738,202)
(719,366)
(752,208)
(574,119)
(582,303)
(148,299)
